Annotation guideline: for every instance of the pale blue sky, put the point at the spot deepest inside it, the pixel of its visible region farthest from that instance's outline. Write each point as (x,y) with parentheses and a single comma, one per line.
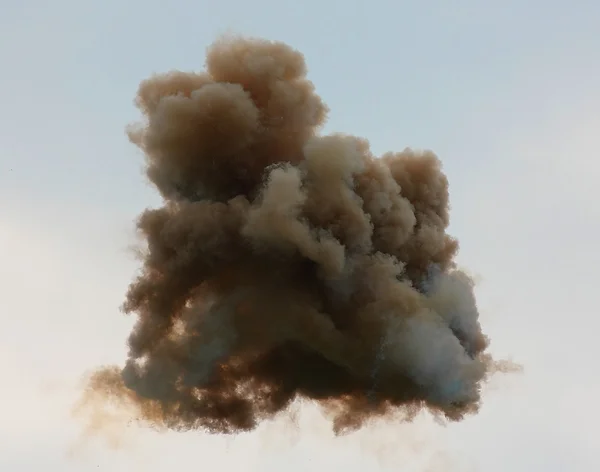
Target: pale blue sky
(505,92)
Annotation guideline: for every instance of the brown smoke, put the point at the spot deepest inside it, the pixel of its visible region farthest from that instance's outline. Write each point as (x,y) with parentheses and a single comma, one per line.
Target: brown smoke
(285,264)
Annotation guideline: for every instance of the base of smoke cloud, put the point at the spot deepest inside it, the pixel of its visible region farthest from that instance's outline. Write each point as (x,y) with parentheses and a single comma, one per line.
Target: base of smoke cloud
(300,434)
(425,348)
(287,265)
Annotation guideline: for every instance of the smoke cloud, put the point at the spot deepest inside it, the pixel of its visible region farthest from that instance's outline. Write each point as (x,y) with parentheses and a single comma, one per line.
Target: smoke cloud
(288,265)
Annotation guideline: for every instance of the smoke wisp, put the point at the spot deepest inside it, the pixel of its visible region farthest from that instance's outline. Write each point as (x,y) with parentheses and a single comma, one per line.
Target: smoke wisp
(285,264)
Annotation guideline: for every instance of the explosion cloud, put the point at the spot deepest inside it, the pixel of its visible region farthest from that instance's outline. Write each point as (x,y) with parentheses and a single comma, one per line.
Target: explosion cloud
(285,264)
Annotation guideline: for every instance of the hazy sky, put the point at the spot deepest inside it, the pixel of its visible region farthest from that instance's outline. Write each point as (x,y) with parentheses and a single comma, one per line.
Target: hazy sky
(506,93)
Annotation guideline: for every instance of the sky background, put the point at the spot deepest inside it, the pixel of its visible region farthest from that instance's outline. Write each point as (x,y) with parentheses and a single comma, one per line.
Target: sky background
(506,93)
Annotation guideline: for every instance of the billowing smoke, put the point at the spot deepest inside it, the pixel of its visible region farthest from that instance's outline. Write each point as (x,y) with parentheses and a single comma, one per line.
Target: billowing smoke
(285,264)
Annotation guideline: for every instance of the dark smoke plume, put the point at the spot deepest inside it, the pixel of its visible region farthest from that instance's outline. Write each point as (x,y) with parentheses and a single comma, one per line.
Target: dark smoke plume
(285,264)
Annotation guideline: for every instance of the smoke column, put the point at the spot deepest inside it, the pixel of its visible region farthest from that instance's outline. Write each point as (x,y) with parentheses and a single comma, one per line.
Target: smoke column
(285,264)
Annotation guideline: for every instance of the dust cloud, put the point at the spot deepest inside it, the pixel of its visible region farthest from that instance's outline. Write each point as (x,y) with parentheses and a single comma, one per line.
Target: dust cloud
(288,265)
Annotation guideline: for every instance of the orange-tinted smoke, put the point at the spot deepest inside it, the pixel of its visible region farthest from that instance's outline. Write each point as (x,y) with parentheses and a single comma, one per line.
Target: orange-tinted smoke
(286,264)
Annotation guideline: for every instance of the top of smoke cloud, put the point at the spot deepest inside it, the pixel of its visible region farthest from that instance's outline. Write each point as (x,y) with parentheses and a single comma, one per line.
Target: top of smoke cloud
(285,264)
